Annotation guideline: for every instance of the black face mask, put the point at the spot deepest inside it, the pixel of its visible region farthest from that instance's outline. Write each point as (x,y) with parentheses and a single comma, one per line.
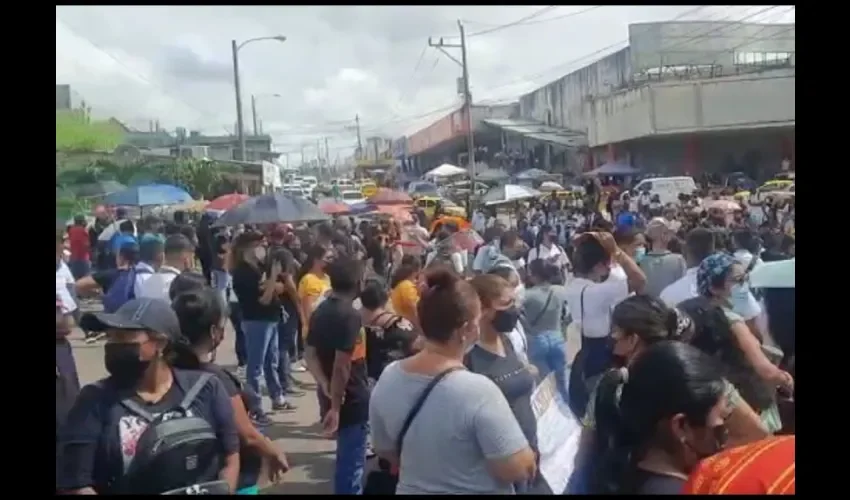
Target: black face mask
(505,321)
(720,434)
(123,362)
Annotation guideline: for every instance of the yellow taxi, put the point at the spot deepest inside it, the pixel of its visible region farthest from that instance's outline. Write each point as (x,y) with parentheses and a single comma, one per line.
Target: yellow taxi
(428,204)
(368,188)
(770,188)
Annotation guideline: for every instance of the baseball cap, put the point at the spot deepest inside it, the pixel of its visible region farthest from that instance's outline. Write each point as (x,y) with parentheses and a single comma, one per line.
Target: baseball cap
(155,315)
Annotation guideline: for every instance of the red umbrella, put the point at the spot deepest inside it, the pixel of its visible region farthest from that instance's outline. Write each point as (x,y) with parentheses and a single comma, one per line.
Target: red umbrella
(227,201)
(390,197)
(334,208)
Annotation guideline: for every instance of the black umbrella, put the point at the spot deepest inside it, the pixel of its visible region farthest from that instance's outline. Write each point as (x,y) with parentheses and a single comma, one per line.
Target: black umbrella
(272,209)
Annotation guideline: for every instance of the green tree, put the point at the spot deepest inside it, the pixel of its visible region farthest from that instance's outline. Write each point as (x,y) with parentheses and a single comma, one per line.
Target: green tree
(201,178)
(75,131)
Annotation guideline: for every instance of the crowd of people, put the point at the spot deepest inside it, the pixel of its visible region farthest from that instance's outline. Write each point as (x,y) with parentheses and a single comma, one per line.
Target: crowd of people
(426,353)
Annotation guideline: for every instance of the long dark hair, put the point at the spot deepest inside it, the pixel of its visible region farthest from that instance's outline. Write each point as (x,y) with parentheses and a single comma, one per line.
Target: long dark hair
(668,378)
(313,253)
(198,311)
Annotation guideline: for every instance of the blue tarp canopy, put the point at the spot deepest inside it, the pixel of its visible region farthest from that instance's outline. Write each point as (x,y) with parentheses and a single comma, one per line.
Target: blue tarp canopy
(614,169)
(148,195)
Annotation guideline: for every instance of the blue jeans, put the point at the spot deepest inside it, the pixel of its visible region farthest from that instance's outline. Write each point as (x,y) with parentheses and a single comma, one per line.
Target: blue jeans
(547,352)
(261,344)
(288,330)
(351,444)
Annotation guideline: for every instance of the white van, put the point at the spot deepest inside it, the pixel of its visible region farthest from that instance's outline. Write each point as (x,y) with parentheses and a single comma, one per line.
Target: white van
(668,189)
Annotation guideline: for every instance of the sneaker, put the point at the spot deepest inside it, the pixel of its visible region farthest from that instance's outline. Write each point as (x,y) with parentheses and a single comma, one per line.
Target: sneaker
(298,367)
(91,338)
(281,405)
(261,419)
(240,371)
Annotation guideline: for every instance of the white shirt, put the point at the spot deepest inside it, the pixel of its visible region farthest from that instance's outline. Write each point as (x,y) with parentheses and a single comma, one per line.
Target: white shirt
(599,300)
(518,342)
(681,290)
(64,279)
(618,273)
(543,252)
(158,284)
(143,273)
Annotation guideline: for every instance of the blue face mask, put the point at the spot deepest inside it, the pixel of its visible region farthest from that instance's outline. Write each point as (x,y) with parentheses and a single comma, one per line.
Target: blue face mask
(640,253)
(741,302)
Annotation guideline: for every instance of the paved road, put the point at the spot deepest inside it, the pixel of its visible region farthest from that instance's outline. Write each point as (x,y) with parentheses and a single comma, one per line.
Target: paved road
(297,432)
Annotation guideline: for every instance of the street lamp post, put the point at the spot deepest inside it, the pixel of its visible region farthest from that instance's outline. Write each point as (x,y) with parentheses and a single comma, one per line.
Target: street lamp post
(254,108)
(240,132)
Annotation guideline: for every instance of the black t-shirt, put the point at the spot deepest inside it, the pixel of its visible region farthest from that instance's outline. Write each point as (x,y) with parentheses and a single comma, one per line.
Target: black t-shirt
(336,326)
(513,379)
(105,278)
(246,285)
(250,463)
(100,434)
(390,338)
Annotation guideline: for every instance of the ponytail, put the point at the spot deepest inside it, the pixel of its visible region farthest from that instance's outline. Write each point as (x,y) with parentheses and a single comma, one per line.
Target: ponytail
(613,442)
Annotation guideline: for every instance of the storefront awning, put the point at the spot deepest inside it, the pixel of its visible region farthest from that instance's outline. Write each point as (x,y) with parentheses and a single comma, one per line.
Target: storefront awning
(540,132)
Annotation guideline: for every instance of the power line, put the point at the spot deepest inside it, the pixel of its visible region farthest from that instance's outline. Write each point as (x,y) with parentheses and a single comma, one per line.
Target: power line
(519,21)
(548,19)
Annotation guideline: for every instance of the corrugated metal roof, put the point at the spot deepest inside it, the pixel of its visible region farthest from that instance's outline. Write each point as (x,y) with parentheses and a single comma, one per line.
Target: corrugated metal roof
(541,132)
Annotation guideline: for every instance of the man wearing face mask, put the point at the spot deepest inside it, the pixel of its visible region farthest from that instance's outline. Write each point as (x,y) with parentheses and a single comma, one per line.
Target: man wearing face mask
(179,256)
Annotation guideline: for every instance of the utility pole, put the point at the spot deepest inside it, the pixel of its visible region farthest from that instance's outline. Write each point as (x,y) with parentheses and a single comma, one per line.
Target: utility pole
(359,140)
(327,152)
(240,130)
(254,111)
(467,100)
(302,156)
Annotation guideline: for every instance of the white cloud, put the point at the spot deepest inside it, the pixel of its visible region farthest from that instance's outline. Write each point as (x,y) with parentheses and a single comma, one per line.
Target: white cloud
(173,63)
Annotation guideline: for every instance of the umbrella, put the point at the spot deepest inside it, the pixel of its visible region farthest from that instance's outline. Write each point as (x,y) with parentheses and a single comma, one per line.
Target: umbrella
(227,201)
(360,208)
(725,205)
(445,170)
(777,274)
(459,222)
(509,193)
(150,194)
(614,169)
(110,230)
(390,197)
(272,209)
(491,175)
(531,174)
(101,188)
(551,186)
(191,206)
(331,207)
(466,239)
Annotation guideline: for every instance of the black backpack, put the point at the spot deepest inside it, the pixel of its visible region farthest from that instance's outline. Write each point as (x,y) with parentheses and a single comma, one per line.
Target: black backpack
(173,452)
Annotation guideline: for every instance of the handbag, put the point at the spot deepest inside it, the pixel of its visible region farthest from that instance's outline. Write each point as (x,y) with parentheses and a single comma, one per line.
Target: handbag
(383,481)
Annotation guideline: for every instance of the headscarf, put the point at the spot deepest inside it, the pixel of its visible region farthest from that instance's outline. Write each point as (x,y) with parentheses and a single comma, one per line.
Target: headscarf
(711,268)
(766,467)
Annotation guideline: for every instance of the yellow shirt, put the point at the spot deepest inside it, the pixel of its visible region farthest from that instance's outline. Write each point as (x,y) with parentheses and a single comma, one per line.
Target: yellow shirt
(314,287)
(404,298)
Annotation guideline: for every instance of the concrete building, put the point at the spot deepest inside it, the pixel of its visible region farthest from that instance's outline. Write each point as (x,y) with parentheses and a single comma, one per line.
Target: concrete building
(214,147)
(444,141)
(63,97)
(682,97)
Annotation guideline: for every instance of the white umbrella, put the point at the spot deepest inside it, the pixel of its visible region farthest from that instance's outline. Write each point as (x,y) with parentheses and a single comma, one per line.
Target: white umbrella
(778,274)
(446,170)
(551,186)
(509,193)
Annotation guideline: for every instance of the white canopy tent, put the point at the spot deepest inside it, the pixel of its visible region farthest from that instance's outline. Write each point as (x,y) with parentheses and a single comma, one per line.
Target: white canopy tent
(509,193)
(445,170)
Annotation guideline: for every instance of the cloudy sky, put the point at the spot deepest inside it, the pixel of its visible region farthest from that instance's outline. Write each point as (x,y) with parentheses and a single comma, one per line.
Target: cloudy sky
(174,64)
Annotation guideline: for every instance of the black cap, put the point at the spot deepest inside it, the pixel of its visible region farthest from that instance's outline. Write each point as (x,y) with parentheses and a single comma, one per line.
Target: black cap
(137,314)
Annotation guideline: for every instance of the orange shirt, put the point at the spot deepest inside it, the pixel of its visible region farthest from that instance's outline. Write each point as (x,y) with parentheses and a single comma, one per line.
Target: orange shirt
(766,467)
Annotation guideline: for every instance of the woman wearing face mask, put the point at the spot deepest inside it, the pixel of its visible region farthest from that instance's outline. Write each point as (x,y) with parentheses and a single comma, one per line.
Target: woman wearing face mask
(458,416)
(493,355)
(723,333)
(547,249)
(633,243)
(637,323)
(101,432)
(652,439)
(313,283)
(258,292)
(519,342)
(202,322)
(591,296)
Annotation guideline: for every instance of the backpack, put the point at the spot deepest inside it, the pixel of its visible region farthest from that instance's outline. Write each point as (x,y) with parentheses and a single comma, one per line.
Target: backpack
(173,452)
(122,290)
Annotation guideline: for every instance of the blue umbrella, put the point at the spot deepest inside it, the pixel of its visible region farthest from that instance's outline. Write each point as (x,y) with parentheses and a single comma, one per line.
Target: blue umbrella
(361,208)
(272,209)
(150,194)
